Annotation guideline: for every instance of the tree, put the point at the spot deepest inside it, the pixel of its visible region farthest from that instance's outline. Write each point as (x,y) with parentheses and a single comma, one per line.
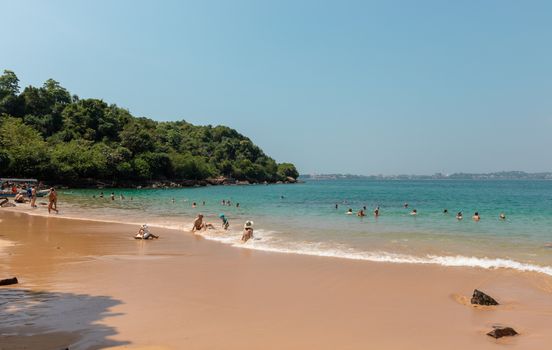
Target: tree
(287,170)
(46,132)
(10,103)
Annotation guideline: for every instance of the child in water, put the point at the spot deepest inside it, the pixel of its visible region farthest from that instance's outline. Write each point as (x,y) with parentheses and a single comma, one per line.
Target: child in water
(225,222)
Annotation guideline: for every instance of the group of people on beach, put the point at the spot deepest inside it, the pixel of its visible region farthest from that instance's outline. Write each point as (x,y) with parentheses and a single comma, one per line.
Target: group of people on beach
(200,225)
(30,196)
(414,212)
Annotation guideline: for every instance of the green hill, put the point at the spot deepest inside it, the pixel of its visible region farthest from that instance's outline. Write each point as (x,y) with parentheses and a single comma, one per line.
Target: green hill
(49,134)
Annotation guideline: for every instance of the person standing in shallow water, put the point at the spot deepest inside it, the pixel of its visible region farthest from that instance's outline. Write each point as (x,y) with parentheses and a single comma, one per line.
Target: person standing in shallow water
(476,216)
(52,199)
(33,197)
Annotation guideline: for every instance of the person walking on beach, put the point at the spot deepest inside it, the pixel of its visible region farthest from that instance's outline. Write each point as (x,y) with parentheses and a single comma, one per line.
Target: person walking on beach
(52,201)
(33,197)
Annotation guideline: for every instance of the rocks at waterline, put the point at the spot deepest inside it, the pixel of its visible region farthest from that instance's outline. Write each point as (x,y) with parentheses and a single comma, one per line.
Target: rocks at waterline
(499,332)
(8,281)
(480,298)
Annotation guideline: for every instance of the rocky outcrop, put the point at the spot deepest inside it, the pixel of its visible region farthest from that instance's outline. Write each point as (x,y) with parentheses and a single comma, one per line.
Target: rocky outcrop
(480,298)
(499,332)
(8,281)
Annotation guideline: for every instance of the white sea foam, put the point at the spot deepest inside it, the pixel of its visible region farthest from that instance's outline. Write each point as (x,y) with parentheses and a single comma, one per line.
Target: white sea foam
(269,241)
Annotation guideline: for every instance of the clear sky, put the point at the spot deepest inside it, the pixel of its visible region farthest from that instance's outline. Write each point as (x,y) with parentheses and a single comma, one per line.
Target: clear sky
(364,87)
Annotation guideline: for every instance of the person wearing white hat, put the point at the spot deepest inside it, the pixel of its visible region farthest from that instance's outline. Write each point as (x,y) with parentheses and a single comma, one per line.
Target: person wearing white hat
(247,231)
(143,233)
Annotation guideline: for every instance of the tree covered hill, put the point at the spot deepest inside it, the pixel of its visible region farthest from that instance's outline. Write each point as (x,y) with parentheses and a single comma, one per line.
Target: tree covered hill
(49,134)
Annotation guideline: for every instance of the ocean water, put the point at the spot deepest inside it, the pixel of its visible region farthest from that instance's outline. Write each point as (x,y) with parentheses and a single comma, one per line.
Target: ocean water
(302,218)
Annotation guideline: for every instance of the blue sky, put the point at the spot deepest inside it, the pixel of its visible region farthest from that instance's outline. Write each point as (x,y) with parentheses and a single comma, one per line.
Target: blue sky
(358,87)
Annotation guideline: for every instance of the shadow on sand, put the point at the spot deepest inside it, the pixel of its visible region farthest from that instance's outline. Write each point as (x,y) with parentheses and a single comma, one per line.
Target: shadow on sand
(51,320)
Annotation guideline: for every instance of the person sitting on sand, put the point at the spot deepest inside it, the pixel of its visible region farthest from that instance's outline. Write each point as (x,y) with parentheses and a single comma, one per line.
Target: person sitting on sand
(476,216)
(143,233)
(349,212)
(502,216)
(414,212)
(5,202)
(247,231)
(225,222)
(198,223)
(19,198)
(361,213)
(459,216)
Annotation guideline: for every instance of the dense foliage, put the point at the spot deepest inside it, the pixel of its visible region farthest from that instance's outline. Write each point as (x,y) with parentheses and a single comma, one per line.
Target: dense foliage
(48,134)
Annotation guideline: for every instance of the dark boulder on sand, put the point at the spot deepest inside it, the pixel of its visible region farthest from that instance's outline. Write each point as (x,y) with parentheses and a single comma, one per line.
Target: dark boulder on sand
(8,281)
(499,332)
(481,298)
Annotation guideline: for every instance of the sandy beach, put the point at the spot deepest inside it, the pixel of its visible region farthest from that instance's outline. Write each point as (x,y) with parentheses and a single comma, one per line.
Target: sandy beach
(90,285)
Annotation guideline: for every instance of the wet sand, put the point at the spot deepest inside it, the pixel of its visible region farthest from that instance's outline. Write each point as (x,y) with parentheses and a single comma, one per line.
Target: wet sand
(90,285)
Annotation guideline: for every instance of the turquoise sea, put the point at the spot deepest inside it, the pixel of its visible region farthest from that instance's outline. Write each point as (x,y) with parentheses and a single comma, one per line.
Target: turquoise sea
(302,218)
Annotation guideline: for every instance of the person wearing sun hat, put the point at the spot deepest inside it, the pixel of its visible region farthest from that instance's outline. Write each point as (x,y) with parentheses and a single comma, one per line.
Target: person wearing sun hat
(247,231)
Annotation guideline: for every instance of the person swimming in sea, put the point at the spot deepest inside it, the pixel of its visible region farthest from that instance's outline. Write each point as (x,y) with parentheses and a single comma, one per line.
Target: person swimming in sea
(349,212)
(405,205)
(459,216)
(502,216)
(377,211)
(476,216)
(194,204)
(237,205)
(414,212)
(361,213)
(445,211)
(336,206)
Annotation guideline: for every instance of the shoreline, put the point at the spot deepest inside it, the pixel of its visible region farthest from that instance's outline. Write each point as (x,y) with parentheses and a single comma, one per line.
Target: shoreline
(222,237)
(181,289)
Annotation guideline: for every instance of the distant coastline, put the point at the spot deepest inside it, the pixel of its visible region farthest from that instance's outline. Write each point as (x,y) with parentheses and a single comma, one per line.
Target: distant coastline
(501,175)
